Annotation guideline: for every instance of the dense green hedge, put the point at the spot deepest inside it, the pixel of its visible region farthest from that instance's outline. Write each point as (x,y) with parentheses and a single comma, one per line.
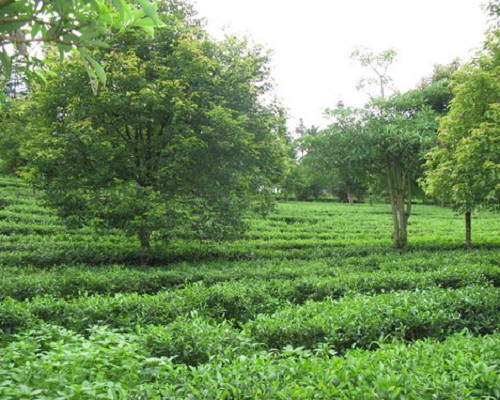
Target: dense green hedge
(363,320)
(52,362)
(299,281)
(353,320)
(264,317)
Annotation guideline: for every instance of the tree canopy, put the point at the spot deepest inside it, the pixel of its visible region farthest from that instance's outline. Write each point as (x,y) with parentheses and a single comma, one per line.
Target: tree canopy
(379,145)
(178,142)
(464,166)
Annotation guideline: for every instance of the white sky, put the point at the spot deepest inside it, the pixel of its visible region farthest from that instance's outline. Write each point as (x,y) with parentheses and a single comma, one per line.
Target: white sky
(312,41)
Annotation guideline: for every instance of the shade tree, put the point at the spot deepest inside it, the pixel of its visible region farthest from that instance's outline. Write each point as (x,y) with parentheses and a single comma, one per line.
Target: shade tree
(179,143)
(463,168)
(384,141)
(400,130)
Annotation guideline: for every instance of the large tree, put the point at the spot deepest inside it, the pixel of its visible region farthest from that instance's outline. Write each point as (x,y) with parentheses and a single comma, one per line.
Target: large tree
(464,166)
(179,142)
(383,142)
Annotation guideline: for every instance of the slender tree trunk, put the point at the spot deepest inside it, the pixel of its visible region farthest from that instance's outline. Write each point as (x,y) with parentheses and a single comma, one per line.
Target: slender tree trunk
(145,238)
(406,192)
(395,222)
(350,198)
(400,194)
(468,230)
(402,240)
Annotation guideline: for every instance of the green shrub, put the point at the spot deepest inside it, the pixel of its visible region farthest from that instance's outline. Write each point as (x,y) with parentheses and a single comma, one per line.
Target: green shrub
(194,340)
(268,284)
(13,316)
(51,362)
(363,320)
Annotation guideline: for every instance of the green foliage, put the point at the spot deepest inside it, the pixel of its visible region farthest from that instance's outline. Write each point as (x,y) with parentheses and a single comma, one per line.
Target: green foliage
(463,167)
(305,325)
(13,119)
(109,364)
(69,26)
(177,143)
(312,281)
(305,183)
(316,275)
(361,321)
(340,153)
(194,340)
(436,88)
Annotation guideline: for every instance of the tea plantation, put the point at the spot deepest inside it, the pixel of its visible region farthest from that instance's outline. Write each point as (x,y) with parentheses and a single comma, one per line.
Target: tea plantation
(313,303)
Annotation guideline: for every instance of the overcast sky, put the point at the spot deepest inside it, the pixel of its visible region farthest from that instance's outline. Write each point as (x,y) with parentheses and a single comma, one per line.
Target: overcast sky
(312,41)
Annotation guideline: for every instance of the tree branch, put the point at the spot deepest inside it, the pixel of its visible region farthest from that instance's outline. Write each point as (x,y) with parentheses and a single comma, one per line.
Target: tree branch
(24,19)
(53,38)
(4,3)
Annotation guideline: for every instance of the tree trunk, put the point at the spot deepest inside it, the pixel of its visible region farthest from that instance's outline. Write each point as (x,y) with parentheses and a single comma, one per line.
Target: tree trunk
(401,241)
(145,238)
(395,222)
(468,230)
(406,193)
(403,233)
(399,188)
(350,198)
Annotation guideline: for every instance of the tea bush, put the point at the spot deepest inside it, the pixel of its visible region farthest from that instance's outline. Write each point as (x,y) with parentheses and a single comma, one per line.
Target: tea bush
(311,302)
(301,281)
(361,321)
(51,362)
(357,320)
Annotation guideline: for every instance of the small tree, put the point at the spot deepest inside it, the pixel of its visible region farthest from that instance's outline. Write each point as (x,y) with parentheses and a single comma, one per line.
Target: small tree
(384,141)
(397,132)
(464,166)
(379,64)
(401,130)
